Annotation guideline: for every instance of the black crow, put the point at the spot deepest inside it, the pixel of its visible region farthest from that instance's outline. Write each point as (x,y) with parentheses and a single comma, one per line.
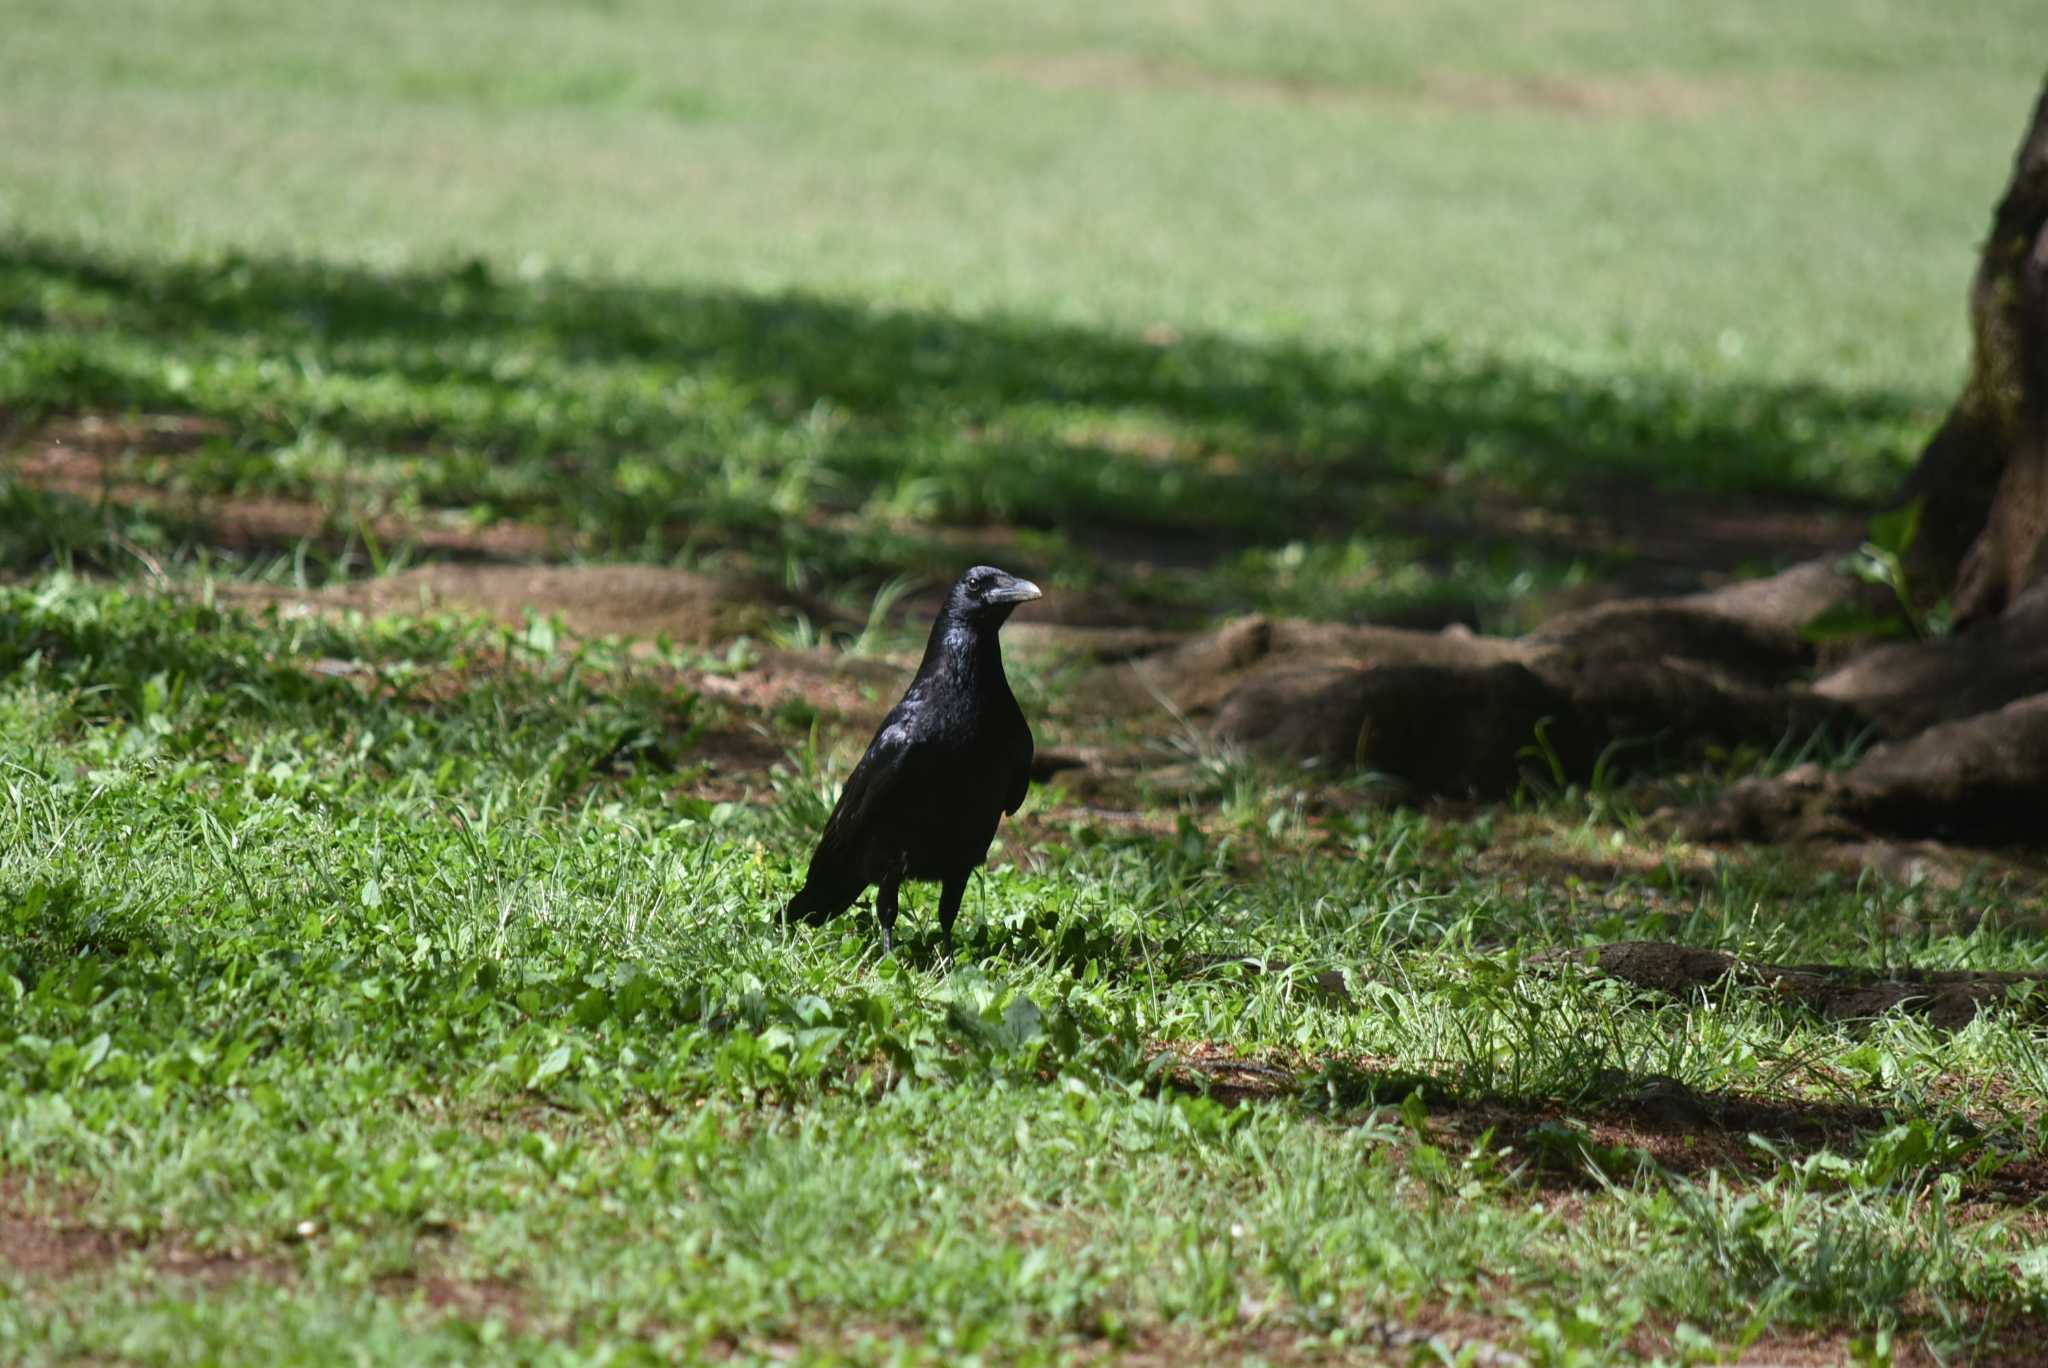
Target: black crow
(949,760)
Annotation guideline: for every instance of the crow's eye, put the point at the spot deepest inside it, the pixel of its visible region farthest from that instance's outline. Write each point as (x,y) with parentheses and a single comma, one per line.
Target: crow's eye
(982,582)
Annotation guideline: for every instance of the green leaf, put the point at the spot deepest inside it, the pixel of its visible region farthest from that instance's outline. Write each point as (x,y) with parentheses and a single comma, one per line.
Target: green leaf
(552,1064)
(1415,1112)
(1850,622)
(1896,530)
(95,1053)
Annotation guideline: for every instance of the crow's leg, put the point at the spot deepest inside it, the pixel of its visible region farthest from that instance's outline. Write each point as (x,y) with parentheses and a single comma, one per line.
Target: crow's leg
(949,908)
(885,910)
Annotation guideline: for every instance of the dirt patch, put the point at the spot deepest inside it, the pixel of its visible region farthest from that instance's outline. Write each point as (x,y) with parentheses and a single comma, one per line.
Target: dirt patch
(731,762)
(861,687)
(1657,1120)
(268,523)
(93,439)
(590,600)
(38,1243)
(1677,545)
(40,1246)
(1261,1334)
(86,458)
(104,459)
(2014,1344)
(467,1299)
(44,1247)
(1663,95)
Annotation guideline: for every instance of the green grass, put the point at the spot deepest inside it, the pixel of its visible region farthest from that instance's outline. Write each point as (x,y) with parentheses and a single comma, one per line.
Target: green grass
(1291,308)
(405,989)
(1802,189)
(358,984)
(845,445)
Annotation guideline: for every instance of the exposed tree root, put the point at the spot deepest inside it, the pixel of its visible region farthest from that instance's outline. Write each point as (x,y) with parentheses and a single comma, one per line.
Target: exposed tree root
(1984,777)
(1449,713)
(1964,720)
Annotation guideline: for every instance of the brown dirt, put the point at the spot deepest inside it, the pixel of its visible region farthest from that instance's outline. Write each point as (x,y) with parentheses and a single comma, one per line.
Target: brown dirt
(1690,539)
(88,457)
(42,1245)
(2013,1344)
(590,600)
(472,1300)
(1411,1334)
(1301,690)
(1645,872)
(1660,95)
(45,1248)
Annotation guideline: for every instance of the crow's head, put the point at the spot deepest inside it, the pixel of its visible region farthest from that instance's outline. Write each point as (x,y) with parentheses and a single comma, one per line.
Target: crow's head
(985,595)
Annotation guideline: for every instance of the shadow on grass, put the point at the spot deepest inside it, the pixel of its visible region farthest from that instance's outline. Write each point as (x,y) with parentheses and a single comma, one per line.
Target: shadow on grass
(1620,1125)
(866,441)
(170,678)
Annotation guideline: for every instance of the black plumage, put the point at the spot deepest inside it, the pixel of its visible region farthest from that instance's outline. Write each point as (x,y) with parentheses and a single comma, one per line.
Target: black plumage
(949,760)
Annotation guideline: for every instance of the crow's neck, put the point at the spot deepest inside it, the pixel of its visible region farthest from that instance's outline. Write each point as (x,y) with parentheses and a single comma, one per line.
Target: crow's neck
(962,651)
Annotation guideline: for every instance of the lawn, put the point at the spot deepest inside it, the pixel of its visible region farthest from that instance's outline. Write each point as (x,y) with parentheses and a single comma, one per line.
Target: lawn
(390,974)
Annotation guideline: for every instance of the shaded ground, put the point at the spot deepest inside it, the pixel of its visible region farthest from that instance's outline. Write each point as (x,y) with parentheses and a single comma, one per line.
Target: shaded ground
(1948,999)
(1627,1130)
(1617,536)
(505,570)
(100,460)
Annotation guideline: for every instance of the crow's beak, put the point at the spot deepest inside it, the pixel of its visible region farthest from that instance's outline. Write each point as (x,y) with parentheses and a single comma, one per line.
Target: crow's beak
(1016,591)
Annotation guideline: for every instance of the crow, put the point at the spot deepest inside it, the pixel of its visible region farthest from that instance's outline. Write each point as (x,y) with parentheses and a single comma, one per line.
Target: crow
(949,760)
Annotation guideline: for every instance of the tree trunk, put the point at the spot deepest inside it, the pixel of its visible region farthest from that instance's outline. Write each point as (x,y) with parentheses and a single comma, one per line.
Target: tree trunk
(1963,719)
(1983,480)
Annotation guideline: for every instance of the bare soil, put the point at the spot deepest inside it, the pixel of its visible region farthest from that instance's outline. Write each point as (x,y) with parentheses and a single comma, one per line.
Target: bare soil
(42,1245)
(45,1249)
(590,600)
(1652,542)
(1657,95)
(100,458)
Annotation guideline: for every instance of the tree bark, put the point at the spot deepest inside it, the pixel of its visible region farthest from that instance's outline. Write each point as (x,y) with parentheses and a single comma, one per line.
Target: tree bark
(1983,479)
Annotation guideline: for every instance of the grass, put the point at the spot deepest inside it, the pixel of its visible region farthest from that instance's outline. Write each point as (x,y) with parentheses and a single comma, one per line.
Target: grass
(1736,189)
(1295,310)
(843,445)
(411,1012)
(403,987)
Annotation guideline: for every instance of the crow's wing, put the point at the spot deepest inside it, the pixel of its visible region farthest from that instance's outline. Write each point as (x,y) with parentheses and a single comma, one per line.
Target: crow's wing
(888,770)
(1020,774)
